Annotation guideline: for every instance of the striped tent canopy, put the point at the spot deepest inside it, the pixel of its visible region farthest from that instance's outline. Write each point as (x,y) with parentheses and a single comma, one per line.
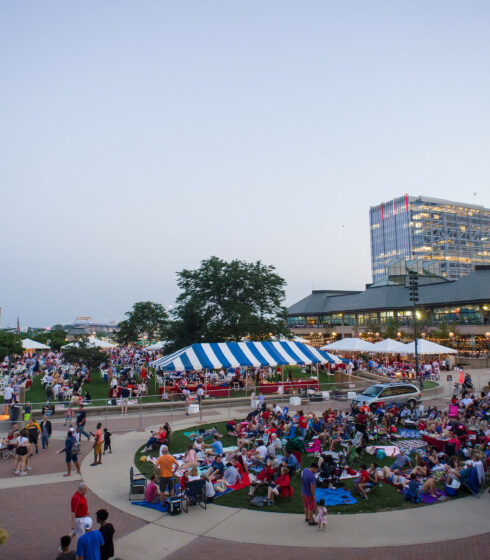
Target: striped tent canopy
(219,355)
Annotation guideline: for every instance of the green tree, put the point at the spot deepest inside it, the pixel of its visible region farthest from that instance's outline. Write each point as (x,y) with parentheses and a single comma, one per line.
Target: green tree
(145,319)
(92,357)
(10,344)
(391,328)
(53,338)
(227,301)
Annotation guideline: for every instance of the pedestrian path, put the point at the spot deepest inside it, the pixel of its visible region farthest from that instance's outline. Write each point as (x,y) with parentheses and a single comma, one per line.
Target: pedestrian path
(34,479)
(434,523)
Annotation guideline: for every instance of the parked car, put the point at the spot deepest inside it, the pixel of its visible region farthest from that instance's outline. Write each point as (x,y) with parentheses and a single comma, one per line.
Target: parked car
(400,393)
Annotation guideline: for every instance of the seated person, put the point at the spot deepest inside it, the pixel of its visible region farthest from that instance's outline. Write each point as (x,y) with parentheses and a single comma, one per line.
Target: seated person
(215,472)
(373,474)
(280,485)
(231,476)
(259,453)
(290,462)
(420,468)
(216,448)
(152,492)
(264,477)
(433,459)
(412,491)
(362,482)
(401,461)
(429,487)
(193,474)
(209,489)
(395,478)
(190,457)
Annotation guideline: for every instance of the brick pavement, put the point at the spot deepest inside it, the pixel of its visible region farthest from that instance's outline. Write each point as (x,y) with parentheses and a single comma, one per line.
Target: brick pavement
(203,548)
(37,516)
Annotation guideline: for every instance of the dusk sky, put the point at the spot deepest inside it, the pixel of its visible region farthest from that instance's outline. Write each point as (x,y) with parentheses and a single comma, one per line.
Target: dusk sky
(138,138)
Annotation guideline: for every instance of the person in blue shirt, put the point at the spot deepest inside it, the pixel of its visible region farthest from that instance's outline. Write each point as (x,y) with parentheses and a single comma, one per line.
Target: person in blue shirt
(412,493)
(88,546)
(291,462)
(216,446)
(217,469)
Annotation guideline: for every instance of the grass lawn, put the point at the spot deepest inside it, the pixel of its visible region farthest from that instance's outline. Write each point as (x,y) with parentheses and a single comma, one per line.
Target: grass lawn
(386,498)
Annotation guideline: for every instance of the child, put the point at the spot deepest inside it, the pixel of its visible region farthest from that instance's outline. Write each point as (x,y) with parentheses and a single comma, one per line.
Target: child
(107,531)
(68,415)
(321,515)
(65,552)
(107,441)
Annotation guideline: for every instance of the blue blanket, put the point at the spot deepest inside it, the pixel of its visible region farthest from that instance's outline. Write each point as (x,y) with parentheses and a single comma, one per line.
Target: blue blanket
(158,506)
(409,434)
(335,497)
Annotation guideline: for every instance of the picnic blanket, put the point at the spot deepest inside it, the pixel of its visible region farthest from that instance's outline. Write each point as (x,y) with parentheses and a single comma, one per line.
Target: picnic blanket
(335,496)
(390,450)
(143,503)
(406,433)
(428,499)
(242,484)
(410,445)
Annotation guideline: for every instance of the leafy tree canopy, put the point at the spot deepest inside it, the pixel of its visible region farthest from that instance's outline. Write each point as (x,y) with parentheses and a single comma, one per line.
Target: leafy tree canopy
(9,344)
(53,338)
(145,319)
(92,357)
(223,301)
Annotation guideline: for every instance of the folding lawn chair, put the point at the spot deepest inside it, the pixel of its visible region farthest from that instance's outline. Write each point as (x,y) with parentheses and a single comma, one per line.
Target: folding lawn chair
(137,484)
(195,494)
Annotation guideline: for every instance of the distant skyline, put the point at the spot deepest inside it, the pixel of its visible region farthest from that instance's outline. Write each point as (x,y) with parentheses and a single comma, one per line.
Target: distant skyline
(138,139)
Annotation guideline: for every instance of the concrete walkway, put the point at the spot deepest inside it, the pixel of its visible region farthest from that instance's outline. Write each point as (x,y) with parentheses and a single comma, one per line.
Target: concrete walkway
(165,534)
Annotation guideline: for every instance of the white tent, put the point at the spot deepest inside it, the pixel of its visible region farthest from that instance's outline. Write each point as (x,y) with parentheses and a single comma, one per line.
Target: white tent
(390,346)
(29,344)
(94,343)
(156,346)
(428,347)
(349,345)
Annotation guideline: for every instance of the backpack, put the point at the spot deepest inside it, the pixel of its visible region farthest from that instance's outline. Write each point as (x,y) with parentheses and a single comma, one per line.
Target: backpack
(75,448)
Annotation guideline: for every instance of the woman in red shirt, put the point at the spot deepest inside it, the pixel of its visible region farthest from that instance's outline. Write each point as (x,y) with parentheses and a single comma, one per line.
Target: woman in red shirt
(281,484)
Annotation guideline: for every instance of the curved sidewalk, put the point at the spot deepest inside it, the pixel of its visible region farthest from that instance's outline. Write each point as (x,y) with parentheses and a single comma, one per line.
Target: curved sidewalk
(458,519)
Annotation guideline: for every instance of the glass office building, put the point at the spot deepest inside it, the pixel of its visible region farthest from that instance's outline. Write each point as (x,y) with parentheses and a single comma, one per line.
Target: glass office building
(452,234)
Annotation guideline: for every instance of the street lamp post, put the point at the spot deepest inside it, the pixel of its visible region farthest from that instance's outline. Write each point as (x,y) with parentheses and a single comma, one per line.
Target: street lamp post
(413,287)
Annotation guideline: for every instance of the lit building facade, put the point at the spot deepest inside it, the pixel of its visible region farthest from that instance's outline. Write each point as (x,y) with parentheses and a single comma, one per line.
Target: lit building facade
(454,235)
(461,306)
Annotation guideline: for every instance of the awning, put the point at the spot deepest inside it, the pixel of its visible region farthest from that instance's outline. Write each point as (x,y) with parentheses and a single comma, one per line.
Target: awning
(428,347)
(350,345)
(390,346)
(29,344)
(217,355)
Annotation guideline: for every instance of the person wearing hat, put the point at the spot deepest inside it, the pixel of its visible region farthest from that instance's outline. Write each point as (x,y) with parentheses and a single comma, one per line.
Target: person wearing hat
(88,546)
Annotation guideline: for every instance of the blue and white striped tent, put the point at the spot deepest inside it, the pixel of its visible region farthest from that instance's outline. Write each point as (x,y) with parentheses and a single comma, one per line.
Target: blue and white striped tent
(225,355)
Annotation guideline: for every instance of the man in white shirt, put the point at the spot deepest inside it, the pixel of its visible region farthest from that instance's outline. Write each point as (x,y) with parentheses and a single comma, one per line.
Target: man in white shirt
(8,394)
(467,401)
(261,451)
(276,408)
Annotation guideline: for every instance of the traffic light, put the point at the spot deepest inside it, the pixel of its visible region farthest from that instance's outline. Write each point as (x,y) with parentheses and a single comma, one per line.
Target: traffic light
(413,286)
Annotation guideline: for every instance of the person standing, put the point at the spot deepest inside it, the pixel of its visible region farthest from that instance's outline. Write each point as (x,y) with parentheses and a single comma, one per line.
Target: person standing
(8,395)
(90,543)
(107,532)
(308,490)
(79,511)
(46,431)
(166,465)
(71,449)
(125,392)
(33,429)
(98,441)
(81,421)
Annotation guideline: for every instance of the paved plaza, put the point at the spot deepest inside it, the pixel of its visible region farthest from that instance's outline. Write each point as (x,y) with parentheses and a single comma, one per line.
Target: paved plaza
(38,506)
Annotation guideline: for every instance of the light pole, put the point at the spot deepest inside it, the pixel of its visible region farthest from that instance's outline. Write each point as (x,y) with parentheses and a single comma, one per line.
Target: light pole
(413,287)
